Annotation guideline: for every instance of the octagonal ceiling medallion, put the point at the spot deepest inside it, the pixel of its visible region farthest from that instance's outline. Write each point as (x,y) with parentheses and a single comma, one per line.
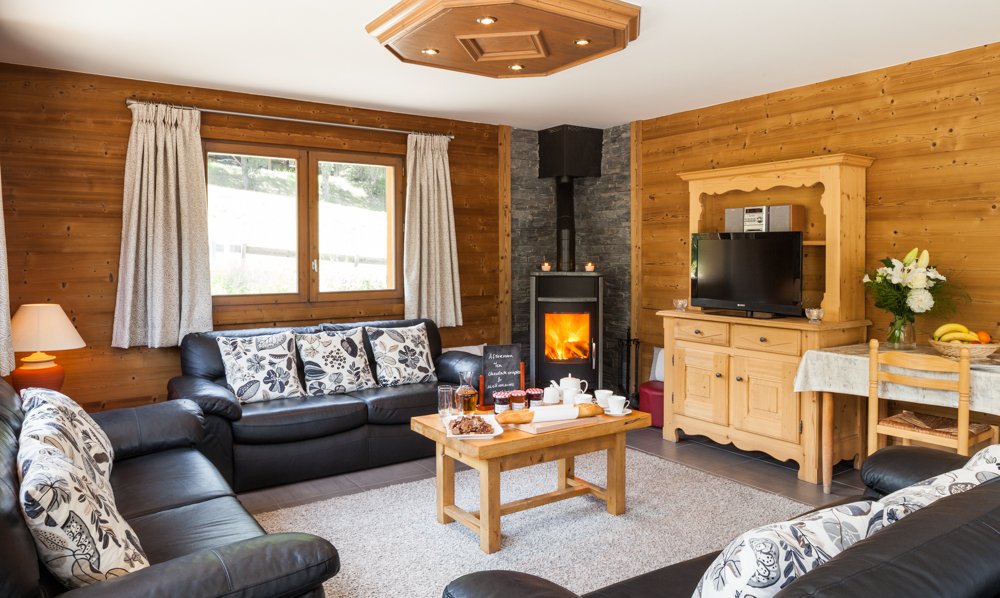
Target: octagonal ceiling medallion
(506,38)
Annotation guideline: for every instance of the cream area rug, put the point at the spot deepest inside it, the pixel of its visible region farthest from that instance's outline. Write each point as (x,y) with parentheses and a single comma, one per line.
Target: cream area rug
(391,544)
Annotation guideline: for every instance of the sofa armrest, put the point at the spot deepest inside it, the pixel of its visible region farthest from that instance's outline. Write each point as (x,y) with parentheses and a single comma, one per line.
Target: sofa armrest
(265,566)
(452,363)
(213,398)
(504,584)
(147,429)
(895,467)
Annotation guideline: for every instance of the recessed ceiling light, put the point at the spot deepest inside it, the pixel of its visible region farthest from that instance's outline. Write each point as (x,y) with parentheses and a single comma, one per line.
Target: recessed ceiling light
(486,20)
(581,42)
(429,51)
(516,67)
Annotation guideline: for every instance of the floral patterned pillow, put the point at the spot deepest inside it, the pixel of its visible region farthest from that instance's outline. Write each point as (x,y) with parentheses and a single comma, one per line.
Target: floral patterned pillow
(55,420)
(335,362)
(78,532)
(402,355)
(761,562)
(261,368)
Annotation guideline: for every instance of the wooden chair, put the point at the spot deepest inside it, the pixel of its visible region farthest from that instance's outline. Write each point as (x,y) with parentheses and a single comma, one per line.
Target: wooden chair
(956,434)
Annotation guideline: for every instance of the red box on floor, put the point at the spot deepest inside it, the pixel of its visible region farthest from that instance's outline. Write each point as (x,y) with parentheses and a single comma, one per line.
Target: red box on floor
(651,400)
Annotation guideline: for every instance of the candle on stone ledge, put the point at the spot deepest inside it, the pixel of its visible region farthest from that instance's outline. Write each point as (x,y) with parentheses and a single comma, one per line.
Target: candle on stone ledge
(590,267)
(546,266)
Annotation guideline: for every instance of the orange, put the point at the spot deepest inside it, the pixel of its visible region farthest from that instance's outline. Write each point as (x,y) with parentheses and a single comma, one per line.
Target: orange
(984,337)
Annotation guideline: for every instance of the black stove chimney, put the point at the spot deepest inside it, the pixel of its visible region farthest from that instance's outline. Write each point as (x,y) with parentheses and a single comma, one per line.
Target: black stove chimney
(564,153)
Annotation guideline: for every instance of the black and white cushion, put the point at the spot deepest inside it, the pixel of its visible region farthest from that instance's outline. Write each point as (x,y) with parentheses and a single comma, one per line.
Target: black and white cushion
(261,368)
(402,355)
(335,362)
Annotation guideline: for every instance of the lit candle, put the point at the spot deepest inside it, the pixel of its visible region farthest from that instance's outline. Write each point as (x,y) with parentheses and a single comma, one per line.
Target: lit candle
(546,266)
(590,267)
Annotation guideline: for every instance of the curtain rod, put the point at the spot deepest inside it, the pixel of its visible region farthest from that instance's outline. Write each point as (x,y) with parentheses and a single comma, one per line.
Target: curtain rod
(304,121)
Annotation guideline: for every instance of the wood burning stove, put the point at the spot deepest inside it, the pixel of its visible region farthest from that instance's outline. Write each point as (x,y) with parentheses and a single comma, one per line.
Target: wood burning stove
(567,326)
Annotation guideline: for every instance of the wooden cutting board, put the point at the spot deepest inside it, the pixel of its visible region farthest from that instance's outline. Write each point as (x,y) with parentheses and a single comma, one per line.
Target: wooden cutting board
(539,428)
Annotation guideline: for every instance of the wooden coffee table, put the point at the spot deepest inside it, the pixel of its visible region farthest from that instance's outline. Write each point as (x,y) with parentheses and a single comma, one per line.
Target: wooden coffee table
(515,449)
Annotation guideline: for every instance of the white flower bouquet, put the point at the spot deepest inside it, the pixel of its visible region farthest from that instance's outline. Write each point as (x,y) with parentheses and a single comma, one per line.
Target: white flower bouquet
(905,288)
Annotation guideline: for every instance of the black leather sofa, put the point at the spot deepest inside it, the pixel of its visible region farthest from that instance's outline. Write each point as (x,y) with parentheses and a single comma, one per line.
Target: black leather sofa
(199,540)
(288,440)
(948,549)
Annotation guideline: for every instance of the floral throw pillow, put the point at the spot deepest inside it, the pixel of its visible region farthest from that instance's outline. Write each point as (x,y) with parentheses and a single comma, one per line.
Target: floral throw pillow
(55,420)
(79,534)
(402,355)
(261,368)
(335,362)
(761,562)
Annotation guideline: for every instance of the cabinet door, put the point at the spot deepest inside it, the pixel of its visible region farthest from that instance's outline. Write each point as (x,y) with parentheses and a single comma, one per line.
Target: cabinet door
(762,400)
(700,380)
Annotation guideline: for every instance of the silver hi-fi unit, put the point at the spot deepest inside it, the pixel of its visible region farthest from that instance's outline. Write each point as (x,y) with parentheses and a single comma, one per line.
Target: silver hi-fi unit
(765,219)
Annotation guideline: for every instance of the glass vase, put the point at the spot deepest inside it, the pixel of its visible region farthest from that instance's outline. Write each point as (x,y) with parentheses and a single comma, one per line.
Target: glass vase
(902,334)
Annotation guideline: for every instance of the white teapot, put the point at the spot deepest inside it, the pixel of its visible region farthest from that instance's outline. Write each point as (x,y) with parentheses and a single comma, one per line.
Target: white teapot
(571,383)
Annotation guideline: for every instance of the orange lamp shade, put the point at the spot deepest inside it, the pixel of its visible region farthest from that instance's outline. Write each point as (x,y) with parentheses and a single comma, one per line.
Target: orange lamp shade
(40,327)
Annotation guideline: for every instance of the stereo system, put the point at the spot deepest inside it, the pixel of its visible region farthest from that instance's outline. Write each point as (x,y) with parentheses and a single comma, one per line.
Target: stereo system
(756,219)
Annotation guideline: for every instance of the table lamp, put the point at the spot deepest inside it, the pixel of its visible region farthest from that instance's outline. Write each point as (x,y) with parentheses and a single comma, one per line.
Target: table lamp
(40,327)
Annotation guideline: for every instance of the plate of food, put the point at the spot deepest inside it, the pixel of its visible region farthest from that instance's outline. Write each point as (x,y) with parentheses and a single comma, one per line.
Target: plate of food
(472,427)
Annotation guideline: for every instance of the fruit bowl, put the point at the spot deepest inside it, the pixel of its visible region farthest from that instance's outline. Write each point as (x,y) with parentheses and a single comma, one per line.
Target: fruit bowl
(975,351)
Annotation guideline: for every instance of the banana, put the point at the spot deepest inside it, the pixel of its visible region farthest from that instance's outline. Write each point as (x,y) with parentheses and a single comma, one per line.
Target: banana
(965,337)
(946,328)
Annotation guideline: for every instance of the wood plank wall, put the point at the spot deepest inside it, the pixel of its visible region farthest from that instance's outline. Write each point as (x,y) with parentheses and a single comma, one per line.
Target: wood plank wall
(63,138)
(933,127)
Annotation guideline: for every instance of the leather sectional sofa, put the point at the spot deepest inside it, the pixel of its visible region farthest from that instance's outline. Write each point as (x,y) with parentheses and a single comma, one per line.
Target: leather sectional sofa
(198,538)
(276,442)
(946,549)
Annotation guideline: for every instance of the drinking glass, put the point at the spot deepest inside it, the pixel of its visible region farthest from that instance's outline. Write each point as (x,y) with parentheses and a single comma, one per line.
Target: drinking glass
(446,400)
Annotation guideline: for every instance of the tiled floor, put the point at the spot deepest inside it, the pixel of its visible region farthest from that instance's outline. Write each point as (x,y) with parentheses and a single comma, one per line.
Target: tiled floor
(751,468)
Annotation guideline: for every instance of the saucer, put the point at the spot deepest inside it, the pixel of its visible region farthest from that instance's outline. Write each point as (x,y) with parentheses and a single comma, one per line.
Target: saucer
(626,412)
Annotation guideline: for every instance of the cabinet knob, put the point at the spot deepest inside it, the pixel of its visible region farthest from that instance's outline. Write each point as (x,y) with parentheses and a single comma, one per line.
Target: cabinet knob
(739,378)
(697,330)
(763,339)
(718,374)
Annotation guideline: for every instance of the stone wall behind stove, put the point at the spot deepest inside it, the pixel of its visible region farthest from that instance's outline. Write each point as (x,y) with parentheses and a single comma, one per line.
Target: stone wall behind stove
(603,217)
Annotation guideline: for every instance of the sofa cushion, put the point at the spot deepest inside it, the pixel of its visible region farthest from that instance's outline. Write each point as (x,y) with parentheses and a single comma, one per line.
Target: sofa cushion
(200,356)
(183,530)
(402,355)
(301,418)
(675,581)
(397,404)
(53,419)
(334,362)
(261,368)
(79,534)
(164,480)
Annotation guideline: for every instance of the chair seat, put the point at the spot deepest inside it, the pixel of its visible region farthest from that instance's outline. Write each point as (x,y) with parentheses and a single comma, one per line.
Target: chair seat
(934,425)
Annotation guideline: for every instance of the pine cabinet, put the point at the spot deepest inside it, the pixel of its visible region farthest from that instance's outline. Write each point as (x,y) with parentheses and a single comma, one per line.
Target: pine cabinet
(702,389)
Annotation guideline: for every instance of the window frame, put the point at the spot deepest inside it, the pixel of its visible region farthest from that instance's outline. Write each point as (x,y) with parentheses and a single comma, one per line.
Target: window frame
(307,221)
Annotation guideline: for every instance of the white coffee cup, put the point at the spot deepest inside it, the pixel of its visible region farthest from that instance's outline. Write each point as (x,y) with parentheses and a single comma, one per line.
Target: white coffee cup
(602,397)
(551,395)
(617,404)
(569,395)
(584,398)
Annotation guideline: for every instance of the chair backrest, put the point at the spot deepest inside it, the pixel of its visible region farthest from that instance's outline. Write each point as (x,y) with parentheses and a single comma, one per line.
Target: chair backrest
(918,362)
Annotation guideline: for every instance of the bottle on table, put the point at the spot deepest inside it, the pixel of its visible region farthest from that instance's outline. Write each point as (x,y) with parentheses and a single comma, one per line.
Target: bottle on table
(501,401)
(467,393)
(535,397)
(518,400)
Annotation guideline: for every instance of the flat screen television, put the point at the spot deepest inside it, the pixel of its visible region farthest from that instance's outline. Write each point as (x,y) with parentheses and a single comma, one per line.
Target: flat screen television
(751,272)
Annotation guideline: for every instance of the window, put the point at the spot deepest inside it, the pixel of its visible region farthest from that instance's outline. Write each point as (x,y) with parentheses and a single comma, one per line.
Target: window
(294,225)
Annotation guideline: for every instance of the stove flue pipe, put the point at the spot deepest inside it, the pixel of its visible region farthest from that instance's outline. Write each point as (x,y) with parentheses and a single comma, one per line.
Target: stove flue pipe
(565,225)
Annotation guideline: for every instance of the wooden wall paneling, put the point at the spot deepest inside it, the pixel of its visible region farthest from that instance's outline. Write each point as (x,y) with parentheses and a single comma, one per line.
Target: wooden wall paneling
(63,138)
(504,306)
(933,128)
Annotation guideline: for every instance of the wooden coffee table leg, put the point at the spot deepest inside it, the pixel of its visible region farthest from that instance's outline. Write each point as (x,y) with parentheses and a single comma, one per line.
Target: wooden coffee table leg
(566,472)
(445,483)
(489,506)
(616,475)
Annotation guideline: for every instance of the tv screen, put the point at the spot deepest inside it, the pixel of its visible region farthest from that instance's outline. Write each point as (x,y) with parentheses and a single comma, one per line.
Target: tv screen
(753,272)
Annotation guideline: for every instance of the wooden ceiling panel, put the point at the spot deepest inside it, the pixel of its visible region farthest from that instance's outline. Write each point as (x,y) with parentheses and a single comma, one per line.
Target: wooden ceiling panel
(539,36)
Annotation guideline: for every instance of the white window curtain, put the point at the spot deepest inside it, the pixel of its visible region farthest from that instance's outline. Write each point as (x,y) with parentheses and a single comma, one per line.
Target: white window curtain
(430,260)
(6,342)
(164,285)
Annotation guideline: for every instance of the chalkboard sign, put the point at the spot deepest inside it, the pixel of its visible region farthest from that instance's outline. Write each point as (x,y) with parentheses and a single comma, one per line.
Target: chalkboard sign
(501,370)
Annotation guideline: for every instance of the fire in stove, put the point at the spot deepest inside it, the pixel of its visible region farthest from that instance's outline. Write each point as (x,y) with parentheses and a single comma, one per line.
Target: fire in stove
(567,336)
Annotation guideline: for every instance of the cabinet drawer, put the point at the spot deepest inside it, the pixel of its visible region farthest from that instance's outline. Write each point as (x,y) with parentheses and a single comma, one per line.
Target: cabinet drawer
(762,338)
(712,333)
